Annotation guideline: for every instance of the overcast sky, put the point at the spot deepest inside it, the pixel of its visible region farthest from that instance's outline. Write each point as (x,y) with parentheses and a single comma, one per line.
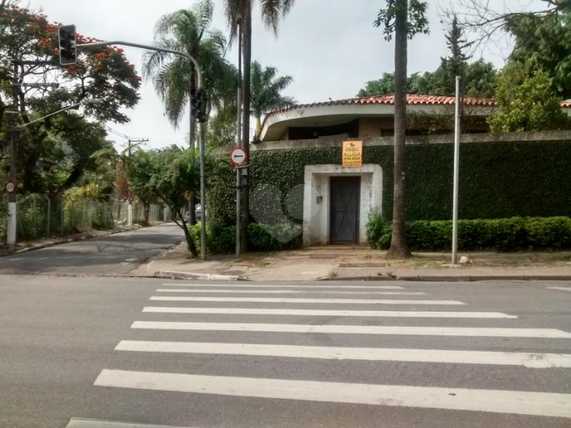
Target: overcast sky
(330,47)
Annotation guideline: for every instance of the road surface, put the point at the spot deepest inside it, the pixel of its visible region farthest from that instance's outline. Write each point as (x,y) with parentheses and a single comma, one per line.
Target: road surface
(126,353)
(115,254)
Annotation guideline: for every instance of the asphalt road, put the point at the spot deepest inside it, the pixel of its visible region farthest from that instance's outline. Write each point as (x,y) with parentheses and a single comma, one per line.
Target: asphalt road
(115,254)
(75,352)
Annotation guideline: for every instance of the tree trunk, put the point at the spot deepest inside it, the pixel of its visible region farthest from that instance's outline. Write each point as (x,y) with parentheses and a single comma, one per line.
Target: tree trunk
(188,235)
(146,213)
(192,210)
(246,29)
(399,248)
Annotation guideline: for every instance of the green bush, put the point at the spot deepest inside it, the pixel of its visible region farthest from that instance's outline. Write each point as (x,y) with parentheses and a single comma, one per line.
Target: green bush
(377,228)
(261,237)
(507,234)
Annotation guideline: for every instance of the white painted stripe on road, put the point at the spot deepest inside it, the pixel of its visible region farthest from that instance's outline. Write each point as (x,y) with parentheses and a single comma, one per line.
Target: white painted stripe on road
(529,360)
(531,333)
(326,312)
(305,300)
(289,292)
(479,400)
(95,423)
(296,287)
(560,288)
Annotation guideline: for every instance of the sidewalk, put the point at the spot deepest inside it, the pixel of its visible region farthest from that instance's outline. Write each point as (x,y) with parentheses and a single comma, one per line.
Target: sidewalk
(359,263)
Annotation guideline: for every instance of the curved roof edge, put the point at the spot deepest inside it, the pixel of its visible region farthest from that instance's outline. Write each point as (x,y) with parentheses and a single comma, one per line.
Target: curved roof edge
(367,106)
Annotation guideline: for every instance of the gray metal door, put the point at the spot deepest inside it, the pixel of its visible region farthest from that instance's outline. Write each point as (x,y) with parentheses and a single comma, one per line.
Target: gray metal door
(344,209)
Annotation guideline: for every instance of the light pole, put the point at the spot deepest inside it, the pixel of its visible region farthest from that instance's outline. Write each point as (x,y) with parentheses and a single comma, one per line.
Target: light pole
(456,178)
(201,117)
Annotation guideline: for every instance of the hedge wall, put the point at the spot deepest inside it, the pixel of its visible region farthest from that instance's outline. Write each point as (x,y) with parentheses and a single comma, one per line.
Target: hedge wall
(498,180)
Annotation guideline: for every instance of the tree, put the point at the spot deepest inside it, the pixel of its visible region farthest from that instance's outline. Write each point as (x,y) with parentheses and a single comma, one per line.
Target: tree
(483,19)
(169,175)
(266,92)
(139,182)
(239,15)
(478,77)
(526,100)
(103,80)
(189,31)
(546,40)
(402,21)
(455,64)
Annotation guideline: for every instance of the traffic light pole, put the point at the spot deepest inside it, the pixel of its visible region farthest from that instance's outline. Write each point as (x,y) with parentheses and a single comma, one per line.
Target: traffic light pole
(12,197)
(202,119)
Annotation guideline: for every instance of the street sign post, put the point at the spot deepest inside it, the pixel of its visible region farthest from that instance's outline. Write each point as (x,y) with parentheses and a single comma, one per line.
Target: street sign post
(238,157)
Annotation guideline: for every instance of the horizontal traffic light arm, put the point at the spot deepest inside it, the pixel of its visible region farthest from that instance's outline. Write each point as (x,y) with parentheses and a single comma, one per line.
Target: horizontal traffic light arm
(150,48)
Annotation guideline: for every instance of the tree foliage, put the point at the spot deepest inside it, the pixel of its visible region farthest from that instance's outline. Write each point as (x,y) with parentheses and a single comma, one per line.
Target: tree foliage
(267,89)
(479,77)
(416,18)
(526,100)
(174,77)
(547,41)
(56,154)
(169,175)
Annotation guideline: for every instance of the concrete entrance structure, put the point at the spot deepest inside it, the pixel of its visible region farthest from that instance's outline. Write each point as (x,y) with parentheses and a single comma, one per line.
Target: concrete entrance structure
(317,197)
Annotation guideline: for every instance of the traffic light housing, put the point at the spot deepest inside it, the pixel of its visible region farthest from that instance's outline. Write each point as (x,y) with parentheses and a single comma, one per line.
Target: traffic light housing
(199,102)
(67,45)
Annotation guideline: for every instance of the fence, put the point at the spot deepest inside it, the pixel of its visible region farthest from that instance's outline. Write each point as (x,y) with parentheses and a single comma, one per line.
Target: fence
(40,216)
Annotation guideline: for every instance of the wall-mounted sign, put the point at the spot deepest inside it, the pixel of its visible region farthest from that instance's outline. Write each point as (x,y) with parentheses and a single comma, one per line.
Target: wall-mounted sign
(238,157)
(352,154)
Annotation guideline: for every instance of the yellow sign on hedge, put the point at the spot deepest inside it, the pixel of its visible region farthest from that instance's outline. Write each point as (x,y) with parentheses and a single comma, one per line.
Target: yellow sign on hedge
(352,154)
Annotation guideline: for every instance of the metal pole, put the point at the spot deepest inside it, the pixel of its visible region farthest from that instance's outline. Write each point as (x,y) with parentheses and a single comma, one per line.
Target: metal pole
(202,191)
(457,131)
(238,143)
(12,196)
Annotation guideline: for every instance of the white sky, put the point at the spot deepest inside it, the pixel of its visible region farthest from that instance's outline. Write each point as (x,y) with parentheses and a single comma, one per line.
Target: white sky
(330,47)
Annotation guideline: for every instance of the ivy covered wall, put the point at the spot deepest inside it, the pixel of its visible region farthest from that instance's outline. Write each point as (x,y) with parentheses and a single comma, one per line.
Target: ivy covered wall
(498,179)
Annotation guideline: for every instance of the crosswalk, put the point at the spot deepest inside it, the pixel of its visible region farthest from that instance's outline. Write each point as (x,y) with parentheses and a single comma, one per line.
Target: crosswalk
(323,323)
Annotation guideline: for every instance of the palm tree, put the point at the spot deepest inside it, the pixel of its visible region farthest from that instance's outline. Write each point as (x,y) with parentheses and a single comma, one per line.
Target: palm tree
(266,87)
(239,16)
(188,31)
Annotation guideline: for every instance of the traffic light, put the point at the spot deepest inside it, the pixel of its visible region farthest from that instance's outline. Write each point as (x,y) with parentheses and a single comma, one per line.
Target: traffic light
(67,45)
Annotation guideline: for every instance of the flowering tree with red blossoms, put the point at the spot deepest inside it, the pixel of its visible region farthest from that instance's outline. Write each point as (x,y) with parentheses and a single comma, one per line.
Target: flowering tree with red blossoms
(102,80)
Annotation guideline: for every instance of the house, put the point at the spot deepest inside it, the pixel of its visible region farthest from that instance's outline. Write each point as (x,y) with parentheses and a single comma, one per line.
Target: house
(501,176)
(370,117)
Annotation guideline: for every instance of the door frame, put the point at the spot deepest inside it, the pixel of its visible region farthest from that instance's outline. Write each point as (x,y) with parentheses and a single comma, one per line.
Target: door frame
(356,232)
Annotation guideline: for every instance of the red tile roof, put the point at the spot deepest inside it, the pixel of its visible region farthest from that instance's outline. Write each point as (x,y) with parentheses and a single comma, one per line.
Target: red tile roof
(412,99)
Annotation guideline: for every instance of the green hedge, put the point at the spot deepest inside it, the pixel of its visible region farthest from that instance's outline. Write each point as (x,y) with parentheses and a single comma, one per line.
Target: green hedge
(261,237)
(498,180)
(507,234)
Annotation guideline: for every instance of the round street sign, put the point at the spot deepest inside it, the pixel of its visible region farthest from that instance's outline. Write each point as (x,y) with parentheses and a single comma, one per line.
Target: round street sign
(238,157)
(10,187)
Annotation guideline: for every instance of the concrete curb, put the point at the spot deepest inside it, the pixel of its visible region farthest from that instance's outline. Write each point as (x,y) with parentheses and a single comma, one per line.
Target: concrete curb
(199,276)
(445,278)
(54,243)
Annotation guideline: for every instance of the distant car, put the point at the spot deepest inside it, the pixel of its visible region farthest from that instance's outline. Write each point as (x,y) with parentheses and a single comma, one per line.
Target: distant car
(198,211)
